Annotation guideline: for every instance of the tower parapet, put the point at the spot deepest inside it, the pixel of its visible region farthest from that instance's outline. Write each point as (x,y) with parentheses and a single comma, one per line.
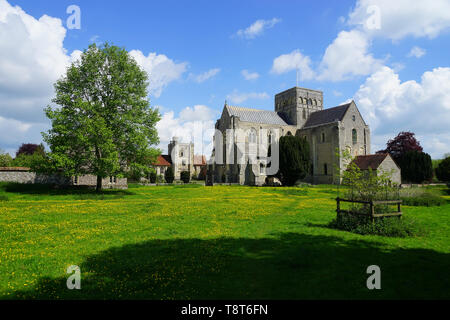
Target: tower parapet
(296,104)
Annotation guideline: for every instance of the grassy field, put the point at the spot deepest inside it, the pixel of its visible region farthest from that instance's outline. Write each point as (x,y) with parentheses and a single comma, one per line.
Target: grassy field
(222,242)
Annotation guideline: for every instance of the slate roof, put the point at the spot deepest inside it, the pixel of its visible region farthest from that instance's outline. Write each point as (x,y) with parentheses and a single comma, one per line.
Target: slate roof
(373,161)
(327,115)
(255,115)
(163,160)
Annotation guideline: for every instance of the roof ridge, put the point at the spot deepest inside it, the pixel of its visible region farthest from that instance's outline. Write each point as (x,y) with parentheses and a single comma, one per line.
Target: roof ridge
(247,108)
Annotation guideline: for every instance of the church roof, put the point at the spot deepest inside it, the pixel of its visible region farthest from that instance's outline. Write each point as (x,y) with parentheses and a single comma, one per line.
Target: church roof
(199,160)
(327,115)
(255,115)
(163,160)
(372,161)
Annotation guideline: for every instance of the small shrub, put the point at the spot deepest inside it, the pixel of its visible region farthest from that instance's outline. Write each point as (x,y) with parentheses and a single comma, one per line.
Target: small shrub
(388,227)
(185,176)
(160,179)
(169,175)
(152,177)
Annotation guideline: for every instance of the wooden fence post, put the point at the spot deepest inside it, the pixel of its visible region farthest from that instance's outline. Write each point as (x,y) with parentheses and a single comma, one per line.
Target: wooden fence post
(372,211)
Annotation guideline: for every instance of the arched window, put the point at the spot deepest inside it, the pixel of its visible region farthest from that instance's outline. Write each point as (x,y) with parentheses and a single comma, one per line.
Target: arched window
(323,137)
(325,169)
(270,137)
(289,133)
(304,114)
(354,136)
(252,136)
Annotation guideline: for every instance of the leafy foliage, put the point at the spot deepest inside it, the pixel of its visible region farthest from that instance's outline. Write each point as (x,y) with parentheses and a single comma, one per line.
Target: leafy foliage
(169,175)
(5,159)
(105,124)
(402,143)
(152,176)
(294,159)
(443,170)
(185,176)
(30,149)
(366,185)
(33,161)
(416,167)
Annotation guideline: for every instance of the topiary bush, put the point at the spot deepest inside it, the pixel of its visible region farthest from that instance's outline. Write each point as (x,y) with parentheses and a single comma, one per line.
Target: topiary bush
(443,170)
(294,159)
(185,176)
(169,175)
(416,167)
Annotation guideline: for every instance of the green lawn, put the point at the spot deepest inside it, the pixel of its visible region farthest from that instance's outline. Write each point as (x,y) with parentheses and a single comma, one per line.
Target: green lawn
(196,242)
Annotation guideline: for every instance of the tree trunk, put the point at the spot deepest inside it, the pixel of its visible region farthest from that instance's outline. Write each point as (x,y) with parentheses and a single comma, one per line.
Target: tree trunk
(99,184)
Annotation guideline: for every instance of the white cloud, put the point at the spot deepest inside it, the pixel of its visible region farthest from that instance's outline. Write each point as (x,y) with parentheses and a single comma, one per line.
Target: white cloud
(240,97)
(402,18)
(32,58)
(249,75)
(391,106)
(196,113)
(205,76)
(293,61)
(94,38)
(160,68)
(194,124)
(347,57)
(417,52)
(257,28)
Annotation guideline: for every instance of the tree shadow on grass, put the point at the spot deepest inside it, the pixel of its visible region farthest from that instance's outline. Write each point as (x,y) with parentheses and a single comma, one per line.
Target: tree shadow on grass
(288,266)
(81,192)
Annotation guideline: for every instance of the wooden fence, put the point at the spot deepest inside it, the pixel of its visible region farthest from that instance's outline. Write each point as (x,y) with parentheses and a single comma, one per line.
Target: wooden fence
(371,205)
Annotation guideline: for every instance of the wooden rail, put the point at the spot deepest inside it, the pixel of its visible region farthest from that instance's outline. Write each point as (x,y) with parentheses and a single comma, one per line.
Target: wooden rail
(372,205)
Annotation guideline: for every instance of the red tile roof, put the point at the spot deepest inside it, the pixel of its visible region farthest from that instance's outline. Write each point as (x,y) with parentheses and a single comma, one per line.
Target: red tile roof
(199,160)
(14,169)
(373,161)
(163,160)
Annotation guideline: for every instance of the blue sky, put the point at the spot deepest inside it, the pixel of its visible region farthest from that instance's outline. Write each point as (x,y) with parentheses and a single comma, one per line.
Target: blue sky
(391,57)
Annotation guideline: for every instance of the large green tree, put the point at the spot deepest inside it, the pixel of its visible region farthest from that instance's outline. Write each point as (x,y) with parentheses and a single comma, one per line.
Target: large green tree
(103,124)
(294,159)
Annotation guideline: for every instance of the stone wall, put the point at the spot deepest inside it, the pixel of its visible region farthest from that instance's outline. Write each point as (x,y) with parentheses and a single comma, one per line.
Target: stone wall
(389,165)
(27,177)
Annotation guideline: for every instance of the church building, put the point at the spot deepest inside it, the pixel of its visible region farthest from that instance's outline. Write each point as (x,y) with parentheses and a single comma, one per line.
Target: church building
(298,111)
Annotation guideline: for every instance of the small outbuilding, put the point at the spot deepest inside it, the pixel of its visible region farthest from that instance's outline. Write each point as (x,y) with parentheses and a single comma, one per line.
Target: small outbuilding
(380,162)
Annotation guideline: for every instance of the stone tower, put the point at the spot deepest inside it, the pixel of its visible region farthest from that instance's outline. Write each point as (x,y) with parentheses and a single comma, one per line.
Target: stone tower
(182,156)
(296,104)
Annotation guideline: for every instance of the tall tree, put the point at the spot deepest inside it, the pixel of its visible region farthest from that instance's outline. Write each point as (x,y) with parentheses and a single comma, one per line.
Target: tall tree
(402,143)
(443,170)
(5,159)
(294,159)
(104,123)
(30,148)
